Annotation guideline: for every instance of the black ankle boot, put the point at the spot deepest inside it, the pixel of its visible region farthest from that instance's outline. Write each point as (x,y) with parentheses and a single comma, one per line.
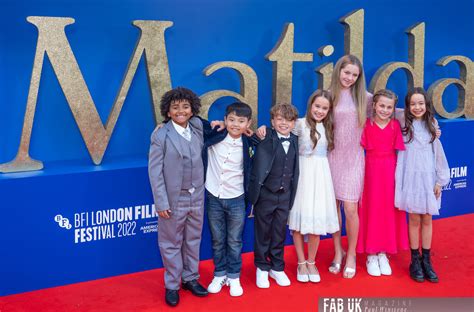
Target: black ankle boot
(416,272)
(430,274)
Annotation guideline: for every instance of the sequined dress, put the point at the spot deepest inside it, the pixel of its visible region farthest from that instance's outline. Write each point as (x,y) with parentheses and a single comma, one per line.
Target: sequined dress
(347,159)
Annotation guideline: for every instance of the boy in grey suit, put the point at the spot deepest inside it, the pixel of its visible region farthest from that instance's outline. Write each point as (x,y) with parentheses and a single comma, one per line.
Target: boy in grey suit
(177,180)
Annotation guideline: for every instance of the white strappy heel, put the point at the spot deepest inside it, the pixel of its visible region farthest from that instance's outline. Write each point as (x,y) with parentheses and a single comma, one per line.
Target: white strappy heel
(314,278)
(303,278)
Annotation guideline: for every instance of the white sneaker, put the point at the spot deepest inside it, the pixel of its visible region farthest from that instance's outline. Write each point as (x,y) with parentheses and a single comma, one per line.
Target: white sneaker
(235,287)
(280,277)
(262,279)
(385,268)
(216,285)
(373,266)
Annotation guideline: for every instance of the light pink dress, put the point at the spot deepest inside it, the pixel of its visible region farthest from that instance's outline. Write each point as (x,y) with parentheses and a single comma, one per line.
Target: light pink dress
(347,159)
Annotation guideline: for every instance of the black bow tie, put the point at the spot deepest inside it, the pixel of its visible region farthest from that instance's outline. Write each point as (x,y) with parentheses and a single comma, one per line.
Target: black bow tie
(284,139)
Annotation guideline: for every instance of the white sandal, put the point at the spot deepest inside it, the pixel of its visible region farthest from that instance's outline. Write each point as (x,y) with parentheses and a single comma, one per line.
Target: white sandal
(335,267)
(303,278)
(314,278)
(350,272)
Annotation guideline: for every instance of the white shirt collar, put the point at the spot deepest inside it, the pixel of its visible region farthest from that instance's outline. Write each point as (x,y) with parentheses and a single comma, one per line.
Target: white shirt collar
(178,128)
(282,136)
(230,139)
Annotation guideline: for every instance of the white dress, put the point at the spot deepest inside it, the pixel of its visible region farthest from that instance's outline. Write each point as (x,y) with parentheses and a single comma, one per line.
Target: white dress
(314,209)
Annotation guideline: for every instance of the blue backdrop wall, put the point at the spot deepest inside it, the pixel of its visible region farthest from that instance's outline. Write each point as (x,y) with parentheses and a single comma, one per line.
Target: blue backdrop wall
(74,221)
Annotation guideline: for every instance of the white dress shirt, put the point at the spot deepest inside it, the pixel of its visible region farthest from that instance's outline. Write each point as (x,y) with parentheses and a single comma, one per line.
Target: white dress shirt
(225,170)
(286,144)
(184,132)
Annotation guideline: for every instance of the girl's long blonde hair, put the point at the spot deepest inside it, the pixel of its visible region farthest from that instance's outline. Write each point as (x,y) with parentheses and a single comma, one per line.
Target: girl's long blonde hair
(327,121)
(358,89)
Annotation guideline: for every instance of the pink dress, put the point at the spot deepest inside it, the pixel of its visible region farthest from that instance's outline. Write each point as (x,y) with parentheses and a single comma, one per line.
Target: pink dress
(382,227)
(346,160)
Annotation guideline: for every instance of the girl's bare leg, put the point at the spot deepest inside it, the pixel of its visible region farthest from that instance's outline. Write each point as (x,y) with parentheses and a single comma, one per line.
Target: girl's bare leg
(338,251)
(426,231)
(414,222)
(352,229)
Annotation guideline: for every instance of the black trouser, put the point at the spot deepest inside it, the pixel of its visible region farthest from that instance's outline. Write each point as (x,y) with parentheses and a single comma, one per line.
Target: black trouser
(271,216)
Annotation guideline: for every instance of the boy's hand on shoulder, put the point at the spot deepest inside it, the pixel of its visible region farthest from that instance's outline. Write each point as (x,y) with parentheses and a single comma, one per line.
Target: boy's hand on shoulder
(261,132)
(165,214)
(249,132)
(218,123)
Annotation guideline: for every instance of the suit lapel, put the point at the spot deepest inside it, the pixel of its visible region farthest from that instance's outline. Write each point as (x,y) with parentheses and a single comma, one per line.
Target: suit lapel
(174,137)
(275,141)
(246,150)
(192,127)
(294,141)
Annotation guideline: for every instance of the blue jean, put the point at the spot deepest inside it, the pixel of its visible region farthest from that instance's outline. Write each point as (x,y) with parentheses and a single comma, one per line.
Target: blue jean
(226,221)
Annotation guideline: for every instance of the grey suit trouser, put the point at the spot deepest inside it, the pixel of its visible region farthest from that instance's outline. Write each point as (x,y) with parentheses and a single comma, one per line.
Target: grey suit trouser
(179,239)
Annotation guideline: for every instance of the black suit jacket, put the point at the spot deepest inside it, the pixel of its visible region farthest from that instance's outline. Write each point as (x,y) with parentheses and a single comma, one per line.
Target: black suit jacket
(215,137)
(263,162)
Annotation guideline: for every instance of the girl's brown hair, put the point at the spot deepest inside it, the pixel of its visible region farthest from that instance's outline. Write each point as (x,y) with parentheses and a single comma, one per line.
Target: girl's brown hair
(389,94)
(327,121)
(428,117)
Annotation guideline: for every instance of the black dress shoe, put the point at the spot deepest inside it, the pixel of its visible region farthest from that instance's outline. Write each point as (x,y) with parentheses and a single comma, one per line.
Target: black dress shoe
(195,288)
(172,297)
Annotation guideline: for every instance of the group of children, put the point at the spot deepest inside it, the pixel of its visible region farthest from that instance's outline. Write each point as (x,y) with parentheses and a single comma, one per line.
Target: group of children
(297,173)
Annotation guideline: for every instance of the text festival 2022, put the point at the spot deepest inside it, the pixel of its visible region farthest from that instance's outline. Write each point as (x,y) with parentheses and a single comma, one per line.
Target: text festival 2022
(111,223)
(52,41)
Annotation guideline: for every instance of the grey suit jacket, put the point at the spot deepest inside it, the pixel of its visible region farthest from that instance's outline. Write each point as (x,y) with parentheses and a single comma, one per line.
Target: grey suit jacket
(165,168)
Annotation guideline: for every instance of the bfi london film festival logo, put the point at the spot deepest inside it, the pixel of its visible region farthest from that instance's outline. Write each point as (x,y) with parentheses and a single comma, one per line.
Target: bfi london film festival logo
(111,223)
(458,178)
(63,222)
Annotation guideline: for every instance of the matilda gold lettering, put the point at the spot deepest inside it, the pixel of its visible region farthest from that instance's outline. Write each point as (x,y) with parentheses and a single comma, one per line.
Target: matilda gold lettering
(52,41)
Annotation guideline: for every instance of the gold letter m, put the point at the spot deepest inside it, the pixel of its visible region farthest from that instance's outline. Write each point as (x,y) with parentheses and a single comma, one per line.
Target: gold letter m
(52,40)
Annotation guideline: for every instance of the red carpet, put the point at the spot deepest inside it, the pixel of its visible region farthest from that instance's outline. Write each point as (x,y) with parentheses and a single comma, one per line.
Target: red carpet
(452,258)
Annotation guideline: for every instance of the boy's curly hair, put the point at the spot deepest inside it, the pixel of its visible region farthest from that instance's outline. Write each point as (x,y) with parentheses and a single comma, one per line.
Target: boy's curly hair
(179,94)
